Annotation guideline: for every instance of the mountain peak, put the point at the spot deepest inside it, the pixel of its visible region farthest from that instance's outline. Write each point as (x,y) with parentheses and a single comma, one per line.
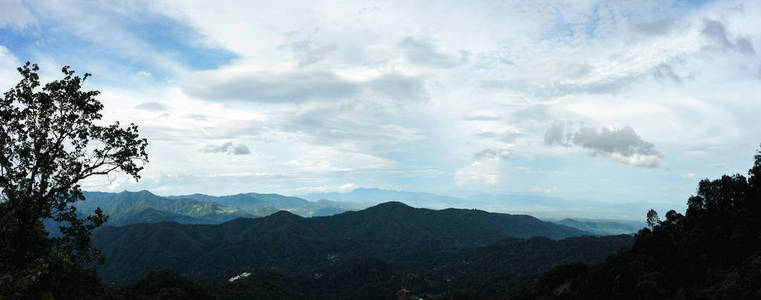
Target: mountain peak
(284,214)
(391,205)
(141,192)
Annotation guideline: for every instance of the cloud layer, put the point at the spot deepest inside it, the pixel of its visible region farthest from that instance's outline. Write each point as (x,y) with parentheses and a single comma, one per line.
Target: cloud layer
(253,96)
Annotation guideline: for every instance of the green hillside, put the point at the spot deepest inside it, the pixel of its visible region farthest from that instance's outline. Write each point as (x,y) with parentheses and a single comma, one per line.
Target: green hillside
(284,241)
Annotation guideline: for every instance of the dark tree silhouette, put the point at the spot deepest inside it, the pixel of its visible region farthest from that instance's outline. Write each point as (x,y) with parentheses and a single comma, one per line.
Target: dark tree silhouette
(713,251)
(652,218)
(51,140)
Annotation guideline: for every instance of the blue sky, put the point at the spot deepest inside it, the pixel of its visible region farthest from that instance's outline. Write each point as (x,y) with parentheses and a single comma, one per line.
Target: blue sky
(618,103)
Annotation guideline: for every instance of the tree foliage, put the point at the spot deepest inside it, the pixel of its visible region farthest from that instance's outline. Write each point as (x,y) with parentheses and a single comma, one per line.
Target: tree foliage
(51,139)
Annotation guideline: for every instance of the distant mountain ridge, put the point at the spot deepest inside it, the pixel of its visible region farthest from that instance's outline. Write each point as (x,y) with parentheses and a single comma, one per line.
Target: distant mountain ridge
(284,241)
(375,196)
(603,227)
(255,201)
(143,206)
(536,204)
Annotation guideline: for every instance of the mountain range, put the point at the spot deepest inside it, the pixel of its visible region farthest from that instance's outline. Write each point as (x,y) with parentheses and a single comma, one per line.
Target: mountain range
(145,207)
(299,206)
(286,242)
(544,206)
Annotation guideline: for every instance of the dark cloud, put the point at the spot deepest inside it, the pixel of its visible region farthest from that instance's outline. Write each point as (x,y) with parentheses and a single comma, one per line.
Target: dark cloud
(556,135)
(228,148)
(297,87)
(624,141)
(273,87)
(715,32)
(152,106)
(503,153)
(666,72)
(620,144)
(422,52)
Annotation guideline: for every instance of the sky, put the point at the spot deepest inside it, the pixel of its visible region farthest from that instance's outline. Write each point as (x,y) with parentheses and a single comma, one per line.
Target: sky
(625,103)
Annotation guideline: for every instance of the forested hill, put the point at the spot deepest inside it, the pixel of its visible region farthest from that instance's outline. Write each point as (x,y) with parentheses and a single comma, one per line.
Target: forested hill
(711,252)
(489,272)
(283,241)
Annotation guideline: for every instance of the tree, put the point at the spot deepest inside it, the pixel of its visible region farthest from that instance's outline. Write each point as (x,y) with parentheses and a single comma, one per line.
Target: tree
(51,139)
(652,218)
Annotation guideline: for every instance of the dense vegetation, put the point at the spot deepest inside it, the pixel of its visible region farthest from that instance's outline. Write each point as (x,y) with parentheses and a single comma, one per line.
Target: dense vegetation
(483,272)
(293,244)
(711,252)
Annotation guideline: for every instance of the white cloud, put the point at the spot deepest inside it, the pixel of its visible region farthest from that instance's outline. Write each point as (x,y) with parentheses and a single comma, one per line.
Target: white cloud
(144,74)
(344,188)
(478,174)
(637,159)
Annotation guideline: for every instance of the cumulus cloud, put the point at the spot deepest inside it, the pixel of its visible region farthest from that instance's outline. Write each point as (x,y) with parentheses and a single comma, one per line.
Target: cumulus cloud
(620,144)
(152,106)
(228,148)
(606,140)
(716,32)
